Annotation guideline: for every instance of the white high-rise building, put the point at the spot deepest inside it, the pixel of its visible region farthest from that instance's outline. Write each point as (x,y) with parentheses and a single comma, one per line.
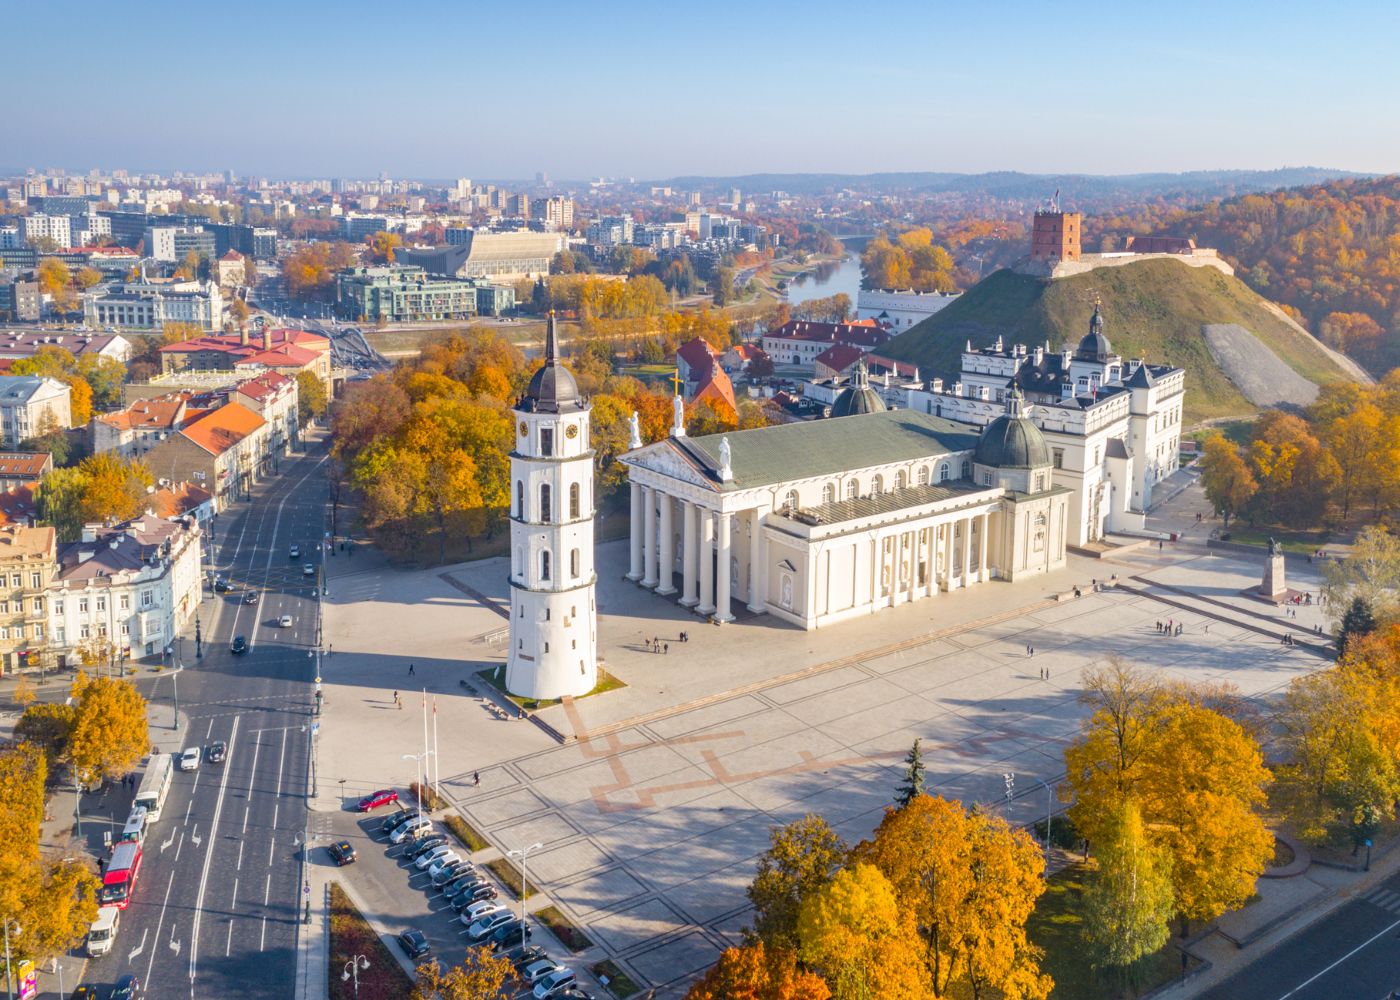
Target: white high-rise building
(553,612)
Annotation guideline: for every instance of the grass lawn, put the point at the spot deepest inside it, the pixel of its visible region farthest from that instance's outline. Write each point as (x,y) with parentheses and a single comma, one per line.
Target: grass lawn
(352,935)
(1300,543)
(1056,925)
(496,677)
(617,981)
(506,870)
(563,928)
(470,837)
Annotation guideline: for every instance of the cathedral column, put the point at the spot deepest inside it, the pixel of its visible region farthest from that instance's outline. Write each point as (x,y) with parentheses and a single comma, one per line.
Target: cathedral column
(707,561)
(982,547)
(722,580)
(896,595)
(915,543)
(689,554)
(634,573)
(648,536)
(667,547)
(758,577)
(945,554)
(967,552)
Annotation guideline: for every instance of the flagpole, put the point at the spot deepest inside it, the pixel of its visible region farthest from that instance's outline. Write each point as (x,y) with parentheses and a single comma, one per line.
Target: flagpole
(426,781)
(437,764)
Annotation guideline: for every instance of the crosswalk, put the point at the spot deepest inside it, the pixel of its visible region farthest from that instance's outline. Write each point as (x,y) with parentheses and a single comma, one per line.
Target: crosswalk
(1385,899)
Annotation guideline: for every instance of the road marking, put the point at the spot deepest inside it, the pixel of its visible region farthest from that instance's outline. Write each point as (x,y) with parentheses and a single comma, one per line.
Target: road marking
(159,923)
(188,806)
(233,900)
(271,551)
(240,844)
(167,843)
(228,944)
(209,855)
(267,889)
(174,945)
(1339,961)
(195,836)
(262,944)
(179,845)
(131,955)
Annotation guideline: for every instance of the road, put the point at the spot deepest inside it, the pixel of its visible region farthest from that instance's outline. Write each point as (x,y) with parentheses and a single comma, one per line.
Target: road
(1351,954)
(216,907)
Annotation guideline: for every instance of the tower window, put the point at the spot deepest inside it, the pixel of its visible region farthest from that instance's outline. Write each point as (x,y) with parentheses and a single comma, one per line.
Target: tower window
(547,442)
(852,489)
(573,501)
(519,498)
(573,564)
(544,565)
(545,505)
(943,473)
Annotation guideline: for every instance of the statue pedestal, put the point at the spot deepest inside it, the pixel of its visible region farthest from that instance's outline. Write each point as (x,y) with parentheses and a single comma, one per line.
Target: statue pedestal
(1274,587)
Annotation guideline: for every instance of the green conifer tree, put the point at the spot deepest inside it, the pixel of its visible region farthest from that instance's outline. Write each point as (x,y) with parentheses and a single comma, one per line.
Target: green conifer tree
(913,785)
(1357,620)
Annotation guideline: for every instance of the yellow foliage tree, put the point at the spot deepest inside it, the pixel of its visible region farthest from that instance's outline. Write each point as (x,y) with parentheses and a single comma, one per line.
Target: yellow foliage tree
(480,976)
(1225,477)
(110,734)
(753,972)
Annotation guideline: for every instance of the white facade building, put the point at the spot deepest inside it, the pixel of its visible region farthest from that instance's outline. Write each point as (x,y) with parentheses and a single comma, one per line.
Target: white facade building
(899,310)
(30,405)
(553,610)
(150,305)
(53,227)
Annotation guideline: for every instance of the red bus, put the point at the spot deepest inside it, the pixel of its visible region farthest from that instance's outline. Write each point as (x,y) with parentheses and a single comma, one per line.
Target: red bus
(119,879)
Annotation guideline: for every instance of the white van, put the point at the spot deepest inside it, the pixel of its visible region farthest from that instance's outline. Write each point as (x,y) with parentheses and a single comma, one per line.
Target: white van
(103,931)
(135,830)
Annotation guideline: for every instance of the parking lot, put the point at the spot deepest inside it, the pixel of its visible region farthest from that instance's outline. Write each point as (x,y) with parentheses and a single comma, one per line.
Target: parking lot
(397,896)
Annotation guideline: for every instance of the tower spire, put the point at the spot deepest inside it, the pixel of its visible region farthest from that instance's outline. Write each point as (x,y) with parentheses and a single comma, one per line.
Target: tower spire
(551,347)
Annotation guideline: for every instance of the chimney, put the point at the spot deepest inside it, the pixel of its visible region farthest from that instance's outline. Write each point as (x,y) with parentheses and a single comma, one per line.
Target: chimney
(90,532)
(267,339)
(84,555)
(243,336)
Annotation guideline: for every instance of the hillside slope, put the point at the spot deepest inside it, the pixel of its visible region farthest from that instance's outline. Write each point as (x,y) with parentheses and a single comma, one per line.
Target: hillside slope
(1153,309)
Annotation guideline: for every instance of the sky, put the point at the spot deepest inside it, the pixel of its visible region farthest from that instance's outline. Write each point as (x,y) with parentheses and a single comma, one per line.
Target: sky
(588,88)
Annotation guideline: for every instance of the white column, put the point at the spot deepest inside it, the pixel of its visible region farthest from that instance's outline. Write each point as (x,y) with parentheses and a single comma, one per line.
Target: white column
(758,578)
(688,555)
(707,562)
(982,547)
(913,590)
(967,550)
(635,572)
(648,536)
(667,548)
(723,612)
(896,595)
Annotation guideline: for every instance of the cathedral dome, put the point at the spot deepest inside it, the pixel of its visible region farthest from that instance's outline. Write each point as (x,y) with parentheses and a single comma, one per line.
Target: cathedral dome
(857,397)
(552,388)
(1095,346)
(1012,441)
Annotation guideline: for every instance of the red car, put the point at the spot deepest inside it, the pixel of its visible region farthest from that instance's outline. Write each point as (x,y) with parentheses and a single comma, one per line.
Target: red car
(374,800)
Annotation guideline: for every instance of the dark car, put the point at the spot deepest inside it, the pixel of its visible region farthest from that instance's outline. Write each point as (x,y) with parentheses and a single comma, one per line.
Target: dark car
(574,993)
(523,955)
(126,988)
(86,992)
(426,844)
(221,585)
(218,750)
(251,597)
(509,935)
(392,821)
(414,943)
(240,645)
(473,892)
(451,871)
(464,880)
(376,799)
(342,853)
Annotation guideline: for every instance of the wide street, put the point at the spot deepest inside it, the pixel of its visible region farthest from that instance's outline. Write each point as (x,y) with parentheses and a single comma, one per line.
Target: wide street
(216,906)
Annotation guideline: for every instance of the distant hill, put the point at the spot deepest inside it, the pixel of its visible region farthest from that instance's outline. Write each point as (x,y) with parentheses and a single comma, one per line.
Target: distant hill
(1153,309)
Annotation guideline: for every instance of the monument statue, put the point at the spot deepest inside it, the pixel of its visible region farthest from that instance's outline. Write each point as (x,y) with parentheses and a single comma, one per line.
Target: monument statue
(1275,548)
(634,426)
(1274,586)
(677,416)
(725,472)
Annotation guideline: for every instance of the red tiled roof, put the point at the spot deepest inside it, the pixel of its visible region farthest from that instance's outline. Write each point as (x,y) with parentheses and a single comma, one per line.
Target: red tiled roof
(696,353)
(178,498)
(23,463)
(17,504)
(231,343)
(158,411)
(832,333)
(839,357)
(289,356)
(224,428)
(261,386)
(232,255)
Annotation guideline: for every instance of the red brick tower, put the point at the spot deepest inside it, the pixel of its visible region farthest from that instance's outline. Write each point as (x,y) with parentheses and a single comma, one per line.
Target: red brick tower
(1055,236)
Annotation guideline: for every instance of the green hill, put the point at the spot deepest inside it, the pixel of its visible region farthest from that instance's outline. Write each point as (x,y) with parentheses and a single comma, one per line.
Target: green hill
(1152,309)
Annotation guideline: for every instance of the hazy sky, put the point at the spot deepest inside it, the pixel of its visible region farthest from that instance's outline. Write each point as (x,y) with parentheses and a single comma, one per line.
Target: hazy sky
(481,88)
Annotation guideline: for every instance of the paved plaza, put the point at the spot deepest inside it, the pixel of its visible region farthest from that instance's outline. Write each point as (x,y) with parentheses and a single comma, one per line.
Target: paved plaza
(653,810)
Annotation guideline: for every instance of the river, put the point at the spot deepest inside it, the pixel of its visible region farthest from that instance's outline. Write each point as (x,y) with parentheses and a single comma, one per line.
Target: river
(827,280)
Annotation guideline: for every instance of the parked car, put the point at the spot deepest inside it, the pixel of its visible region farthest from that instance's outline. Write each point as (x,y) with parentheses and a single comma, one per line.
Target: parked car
(86,992)
(537,970)
(483,908)
(218,750)
(414,943)
(189,759)
(418,826)
(444,865)
(469,884)
(240,645)
(555,983)
(511,935)
(431,855)
(425,844)
(575,993)
(374,800)
(479,930)
(342,853)
(523,955)
(396,819)
(446,874)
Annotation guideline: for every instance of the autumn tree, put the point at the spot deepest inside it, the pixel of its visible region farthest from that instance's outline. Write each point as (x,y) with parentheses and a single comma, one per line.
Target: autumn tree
(110,733)
(1128,902)
(754,972)
(382,246)
(311,397)
(367,411)
(853,931)
(58,364)
(87,277)
(1225,477)
(56,282)
(99,489)
(1358,621)
(480,976)
(1294,473)
(49,726)
(801,858)
(1371,572)
(238,312)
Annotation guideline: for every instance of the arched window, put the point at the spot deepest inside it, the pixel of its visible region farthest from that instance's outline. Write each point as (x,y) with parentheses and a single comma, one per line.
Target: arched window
(544,565)
(944,472)
(515,566)
(828,493)
(790,501)
(519,498)
(573,564)
(852,488)
(923,475)
(877,485)
(967,469)
(573,501)
(901,479)
(545,506)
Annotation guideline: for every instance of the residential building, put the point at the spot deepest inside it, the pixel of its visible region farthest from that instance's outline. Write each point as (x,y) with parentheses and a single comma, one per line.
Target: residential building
(899,310)
(797,343)
(281,349)
(175,243)
(398,293)
(27,563)
(31,405)
(125,591)
(226,451)
(20,299)
(557,212)
(494,300)
(149,305)
(173,501)
(18,506)
(19,468)
(702,380)
(610,231)
(232,269)
(14,344)
(57,228)
(132,432)
(274,397)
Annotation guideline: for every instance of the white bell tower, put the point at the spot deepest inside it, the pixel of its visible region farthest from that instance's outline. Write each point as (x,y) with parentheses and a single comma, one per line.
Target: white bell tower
(553,614)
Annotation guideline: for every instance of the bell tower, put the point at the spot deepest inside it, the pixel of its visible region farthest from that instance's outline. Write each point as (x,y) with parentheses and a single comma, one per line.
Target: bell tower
(553,613)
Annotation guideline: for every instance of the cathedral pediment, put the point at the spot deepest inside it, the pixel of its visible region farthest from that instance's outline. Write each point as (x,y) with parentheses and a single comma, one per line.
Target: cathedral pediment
(664,460)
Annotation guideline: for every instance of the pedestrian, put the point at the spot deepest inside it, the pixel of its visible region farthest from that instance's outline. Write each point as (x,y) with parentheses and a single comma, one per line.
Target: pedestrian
(1207,628)
(1159,545)
(665,647)
(410,670)
(476,779)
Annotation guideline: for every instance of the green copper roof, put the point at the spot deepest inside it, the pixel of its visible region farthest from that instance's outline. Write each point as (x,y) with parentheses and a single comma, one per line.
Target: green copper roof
(811,449)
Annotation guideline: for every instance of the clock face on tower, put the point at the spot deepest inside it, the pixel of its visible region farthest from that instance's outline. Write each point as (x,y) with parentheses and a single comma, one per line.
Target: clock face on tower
(571,431)
(524,429)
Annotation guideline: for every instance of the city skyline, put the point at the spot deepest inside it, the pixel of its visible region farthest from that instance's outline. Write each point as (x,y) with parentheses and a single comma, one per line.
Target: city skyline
(658,93)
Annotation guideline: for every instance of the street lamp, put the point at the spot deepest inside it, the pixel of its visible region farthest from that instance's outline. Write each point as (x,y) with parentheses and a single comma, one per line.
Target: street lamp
(175,682)
(352,970)
(524,855)
(9,976)
(422,759)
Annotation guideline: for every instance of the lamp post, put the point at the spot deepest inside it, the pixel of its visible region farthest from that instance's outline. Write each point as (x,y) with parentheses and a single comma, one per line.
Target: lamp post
(175,682)
(352,970)
(524,855)
(1049,815)
(198,638)
(421,759)
(9,976)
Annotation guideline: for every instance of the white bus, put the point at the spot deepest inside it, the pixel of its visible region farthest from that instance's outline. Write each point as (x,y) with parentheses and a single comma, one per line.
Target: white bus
(155,785)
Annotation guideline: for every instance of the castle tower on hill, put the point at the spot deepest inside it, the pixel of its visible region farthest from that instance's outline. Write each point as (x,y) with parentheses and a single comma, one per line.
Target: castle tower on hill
(553,611)
(1055,236)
